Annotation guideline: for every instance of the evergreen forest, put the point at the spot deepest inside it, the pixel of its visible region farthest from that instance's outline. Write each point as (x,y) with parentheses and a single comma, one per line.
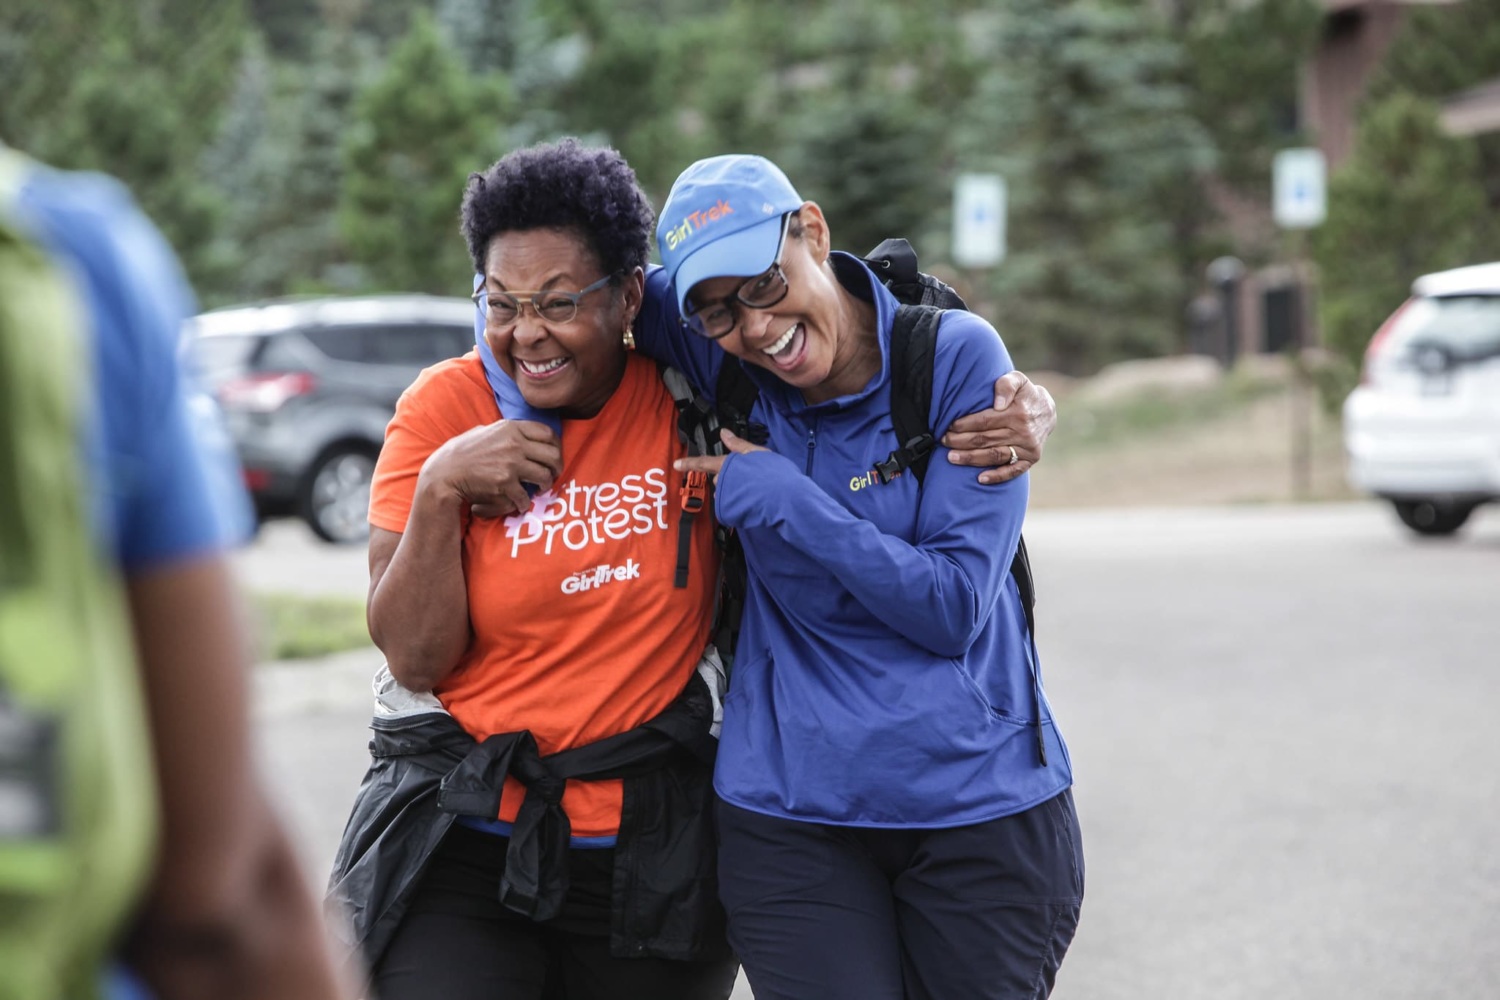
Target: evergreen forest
(321,146)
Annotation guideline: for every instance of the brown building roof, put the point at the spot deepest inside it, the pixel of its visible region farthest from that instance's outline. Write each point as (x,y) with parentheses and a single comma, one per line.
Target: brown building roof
(1473,111)
(1356,35)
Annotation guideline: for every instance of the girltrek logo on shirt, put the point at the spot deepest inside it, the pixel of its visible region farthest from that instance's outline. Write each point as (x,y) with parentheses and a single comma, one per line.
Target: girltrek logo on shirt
(580,517)
(590,579)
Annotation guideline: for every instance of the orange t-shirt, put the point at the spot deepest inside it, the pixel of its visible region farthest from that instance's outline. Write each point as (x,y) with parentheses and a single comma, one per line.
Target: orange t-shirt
(579,633)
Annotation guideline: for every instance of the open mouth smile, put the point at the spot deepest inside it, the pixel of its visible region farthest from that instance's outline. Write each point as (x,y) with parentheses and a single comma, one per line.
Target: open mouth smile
(788,349)
(541,369)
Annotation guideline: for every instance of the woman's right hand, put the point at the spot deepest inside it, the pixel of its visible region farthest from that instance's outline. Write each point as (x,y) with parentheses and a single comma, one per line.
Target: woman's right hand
(486,468)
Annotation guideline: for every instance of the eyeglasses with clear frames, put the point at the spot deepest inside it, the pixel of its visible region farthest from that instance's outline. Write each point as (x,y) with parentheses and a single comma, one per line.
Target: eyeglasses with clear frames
(503,309)
(718,318)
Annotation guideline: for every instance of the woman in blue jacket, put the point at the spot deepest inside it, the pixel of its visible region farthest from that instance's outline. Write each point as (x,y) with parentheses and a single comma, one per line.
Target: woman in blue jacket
(895,814)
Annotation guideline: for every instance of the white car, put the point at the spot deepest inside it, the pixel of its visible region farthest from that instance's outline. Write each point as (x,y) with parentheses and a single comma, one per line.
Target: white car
(1423,428)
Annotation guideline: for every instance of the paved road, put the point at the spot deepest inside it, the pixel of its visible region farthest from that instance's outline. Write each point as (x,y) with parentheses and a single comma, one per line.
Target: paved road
(1283,722)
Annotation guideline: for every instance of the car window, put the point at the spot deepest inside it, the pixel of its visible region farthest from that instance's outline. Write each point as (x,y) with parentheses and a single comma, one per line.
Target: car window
(453,341)
(408,345)
(343,343)
(419,344)
(1465,326)
(280,354)
(215,358)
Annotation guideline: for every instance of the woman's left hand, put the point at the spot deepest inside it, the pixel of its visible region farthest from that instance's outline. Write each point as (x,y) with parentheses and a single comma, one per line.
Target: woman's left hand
(711,464)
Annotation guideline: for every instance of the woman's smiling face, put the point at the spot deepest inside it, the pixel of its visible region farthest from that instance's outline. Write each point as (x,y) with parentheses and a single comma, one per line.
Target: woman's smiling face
(800,339)
(572,366)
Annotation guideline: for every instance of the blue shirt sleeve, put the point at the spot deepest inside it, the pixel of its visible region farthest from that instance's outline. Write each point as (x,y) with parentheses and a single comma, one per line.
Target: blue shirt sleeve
(938,589)
(163,474)
(660,336)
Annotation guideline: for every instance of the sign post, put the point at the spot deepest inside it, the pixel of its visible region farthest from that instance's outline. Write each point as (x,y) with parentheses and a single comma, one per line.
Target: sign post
(1299,201)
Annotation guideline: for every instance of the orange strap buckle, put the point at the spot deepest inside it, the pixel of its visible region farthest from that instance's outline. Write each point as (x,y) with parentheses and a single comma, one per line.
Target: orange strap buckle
(694,491)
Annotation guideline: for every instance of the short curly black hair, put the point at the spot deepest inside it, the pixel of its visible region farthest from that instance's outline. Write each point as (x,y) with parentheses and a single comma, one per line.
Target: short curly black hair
(563,185)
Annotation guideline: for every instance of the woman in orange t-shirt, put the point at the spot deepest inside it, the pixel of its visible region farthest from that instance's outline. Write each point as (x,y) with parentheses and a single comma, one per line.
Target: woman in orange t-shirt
(566,621)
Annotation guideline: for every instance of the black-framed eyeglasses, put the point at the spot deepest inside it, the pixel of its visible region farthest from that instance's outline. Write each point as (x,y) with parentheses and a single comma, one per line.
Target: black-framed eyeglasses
(718,318)
(502,309)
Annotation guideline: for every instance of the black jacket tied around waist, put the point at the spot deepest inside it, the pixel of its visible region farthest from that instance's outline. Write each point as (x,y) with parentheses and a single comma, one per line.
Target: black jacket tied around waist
(426,770)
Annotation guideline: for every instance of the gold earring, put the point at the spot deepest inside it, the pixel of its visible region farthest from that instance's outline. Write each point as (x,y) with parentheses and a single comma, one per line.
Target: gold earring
(629,338)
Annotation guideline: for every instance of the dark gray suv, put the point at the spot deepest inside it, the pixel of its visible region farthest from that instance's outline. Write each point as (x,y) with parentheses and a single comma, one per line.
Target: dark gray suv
(307,387)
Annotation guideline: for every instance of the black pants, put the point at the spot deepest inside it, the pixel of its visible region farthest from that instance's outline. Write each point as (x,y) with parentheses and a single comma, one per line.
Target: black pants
(984,912)
(457,942)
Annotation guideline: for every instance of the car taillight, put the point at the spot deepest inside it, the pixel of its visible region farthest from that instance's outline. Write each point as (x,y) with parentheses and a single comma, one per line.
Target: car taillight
(1377,341)
(264,392)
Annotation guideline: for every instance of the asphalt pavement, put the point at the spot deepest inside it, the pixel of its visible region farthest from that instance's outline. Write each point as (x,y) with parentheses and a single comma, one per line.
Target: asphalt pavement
(1282,722)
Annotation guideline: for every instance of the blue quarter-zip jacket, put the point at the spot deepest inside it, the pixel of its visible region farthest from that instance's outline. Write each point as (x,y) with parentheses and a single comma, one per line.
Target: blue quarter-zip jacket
(884,675)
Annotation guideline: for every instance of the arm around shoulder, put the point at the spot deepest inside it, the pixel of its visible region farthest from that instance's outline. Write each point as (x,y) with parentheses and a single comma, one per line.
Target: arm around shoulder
(1006,439)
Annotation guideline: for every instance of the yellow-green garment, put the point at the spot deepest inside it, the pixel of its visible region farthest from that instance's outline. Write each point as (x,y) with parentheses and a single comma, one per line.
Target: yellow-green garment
(72,868)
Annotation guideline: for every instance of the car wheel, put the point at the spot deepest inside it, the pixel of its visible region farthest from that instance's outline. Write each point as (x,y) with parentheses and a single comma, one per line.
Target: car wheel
(335,497)
(1433,517)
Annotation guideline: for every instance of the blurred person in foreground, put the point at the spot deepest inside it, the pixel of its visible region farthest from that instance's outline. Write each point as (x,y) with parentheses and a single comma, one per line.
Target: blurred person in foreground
(895,816)
(537,821)
(139,856)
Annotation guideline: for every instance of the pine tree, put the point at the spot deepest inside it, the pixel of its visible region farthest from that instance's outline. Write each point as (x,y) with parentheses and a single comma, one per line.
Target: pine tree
(1242,63)
(420,129)
(1441,52)
(229,166)
(663,90)
(1402,206)
(280,165)
(859,133)
(1081,113)
(493,36)
(132,90)
(286,26)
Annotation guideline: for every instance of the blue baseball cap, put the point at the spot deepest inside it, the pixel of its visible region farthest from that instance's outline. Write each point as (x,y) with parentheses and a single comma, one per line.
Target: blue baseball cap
(723,217)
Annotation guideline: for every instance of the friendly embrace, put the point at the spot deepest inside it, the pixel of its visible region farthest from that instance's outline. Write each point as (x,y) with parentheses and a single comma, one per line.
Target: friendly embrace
(574,791)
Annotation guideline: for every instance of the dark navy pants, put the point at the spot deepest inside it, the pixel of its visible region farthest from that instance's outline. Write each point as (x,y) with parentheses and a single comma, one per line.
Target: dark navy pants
(821,912)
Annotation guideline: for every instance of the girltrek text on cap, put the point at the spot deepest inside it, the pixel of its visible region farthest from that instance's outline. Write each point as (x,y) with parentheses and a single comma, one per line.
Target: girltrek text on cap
(723,218)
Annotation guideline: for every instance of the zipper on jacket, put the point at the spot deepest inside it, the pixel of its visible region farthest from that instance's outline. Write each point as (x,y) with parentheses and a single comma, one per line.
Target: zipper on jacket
(812,442)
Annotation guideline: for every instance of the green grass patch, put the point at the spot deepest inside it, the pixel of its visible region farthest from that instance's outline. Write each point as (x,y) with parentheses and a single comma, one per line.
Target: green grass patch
(294,627)
(1086,426)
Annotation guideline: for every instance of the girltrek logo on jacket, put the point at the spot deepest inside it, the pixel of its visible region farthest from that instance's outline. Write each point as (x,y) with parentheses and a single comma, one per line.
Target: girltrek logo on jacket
(580,517)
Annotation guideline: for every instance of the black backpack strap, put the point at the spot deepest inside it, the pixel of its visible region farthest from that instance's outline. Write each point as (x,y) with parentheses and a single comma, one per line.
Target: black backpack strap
(697,423)
(913,346)
(734,576)
(1020,568)
(913,341)
(734,398)
(698,428)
